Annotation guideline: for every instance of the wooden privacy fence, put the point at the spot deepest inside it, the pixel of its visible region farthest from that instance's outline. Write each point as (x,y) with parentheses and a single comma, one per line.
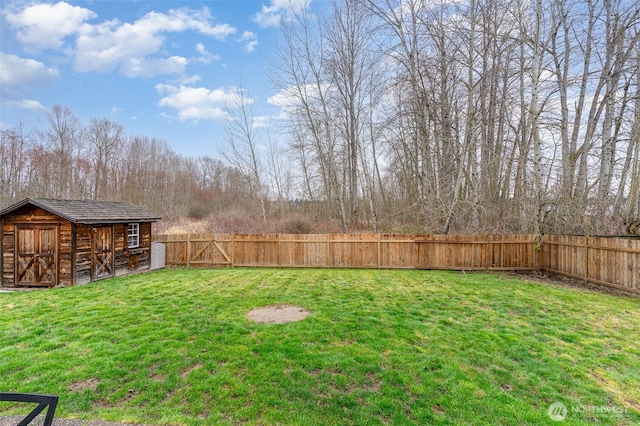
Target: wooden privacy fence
(613,262)
(457,252)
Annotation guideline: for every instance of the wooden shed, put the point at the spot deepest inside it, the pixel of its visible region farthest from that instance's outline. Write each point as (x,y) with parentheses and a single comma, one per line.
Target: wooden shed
(47,242)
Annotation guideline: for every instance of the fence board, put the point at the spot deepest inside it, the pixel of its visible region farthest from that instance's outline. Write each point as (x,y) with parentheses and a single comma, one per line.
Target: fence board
(256,250)
(298,250)
(462,252)
(613,262)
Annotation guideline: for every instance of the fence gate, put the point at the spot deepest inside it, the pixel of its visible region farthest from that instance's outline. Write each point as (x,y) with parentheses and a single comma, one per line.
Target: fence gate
(206,251)
(197,250)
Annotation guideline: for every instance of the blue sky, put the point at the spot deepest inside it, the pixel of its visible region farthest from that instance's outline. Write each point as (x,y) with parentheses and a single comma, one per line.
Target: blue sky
(163,69)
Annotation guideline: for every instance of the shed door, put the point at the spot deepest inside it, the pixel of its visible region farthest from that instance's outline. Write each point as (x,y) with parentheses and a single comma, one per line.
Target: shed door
(37,256)
(103,252)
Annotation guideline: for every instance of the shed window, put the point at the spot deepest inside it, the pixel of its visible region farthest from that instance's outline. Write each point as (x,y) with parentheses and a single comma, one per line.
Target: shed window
(133,235)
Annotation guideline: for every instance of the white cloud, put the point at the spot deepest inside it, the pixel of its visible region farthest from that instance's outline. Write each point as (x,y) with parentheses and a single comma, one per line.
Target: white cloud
(127,46)
(17,72)
(288,98)
(29,104)
(281,99)
(178,20)
(261,121)
(136,48)
(277,10)
(251,46)
(44,26)
(197,103)
(133,67)
(250,41)
(205,56)
(284,100)
(18,75)
(190,79)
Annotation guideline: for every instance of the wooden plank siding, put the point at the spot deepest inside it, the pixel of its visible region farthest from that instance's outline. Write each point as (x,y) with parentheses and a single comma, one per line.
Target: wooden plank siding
(7,267)
(131,260)
(83,254)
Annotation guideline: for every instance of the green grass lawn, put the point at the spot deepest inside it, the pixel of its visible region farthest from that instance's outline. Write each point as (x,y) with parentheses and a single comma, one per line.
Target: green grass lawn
(380,347)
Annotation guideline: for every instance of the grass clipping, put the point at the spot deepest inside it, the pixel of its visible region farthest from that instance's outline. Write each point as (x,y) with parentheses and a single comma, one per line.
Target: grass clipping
(277,314)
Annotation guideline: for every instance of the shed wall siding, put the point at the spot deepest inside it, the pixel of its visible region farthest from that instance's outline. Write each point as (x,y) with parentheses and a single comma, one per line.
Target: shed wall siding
(8,250)
(83,254)
(126,261)
(75,247)
(65,267)
(139,259)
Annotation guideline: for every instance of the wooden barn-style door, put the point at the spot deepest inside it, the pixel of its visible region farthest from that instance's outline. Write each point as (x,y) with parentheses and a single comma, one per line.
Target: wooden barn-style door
(103,252)
(37,256)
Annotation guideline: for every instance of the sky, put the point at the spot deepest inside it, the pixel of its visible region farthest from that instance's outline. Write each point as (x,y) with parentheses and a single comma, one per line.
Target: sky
(163,69)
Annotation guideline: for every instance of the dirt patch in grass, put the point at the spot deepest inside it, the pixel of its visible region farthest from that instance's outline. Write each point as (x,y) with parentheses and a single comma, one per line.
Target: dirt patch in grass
(187,371)
(88,384)
(560,280)
(612,387)
(278,314)
(373,384)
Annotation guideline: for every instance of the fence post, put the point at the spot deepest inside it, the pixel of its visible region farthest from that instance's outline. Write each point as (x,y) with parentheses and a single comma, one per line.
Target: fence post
(378,257)
(188,250)
(586,258)
(488,255)
(233,251)
(543,255)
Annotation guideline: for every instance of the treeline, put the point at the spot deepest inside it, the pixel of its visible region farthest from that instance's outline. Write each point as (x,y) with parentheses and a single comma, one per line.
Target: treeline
(400,115)
(99,161)
(475,116)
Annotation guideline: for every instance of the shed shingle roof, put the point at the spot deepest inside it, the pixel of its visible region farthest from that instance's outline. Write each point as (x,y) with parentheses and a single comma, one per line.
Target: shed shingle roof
(88,212)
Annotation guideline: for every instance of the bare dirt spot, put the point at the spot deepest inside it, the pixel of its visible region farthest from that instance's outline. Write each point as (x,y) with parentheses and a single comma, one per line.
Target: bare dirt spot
(88,384)
(187,371)
(278,314)
(562,281)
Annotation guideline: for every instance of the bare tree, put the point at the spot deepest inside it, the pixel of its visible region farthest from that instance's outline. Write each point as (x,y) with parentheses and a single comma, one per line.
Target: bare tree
(63,136)
(279,170)
(631,168)
(350,68)
(300,73)
(244,143)
(14,162)
(105,139)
